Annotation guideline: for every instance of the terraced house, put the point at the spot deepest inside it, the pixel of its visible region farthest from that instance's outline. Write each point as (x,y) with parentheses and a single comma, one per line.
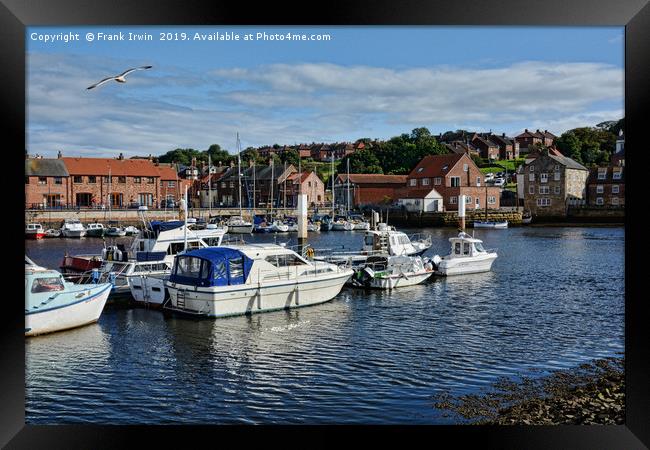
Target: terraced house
(552,183)
(46,183)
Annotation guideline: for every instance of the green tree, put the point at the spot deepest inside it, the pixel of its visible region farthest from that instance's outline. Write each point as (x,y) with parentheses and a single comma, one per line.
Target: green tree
(569,144)
(363,161)
(291,157)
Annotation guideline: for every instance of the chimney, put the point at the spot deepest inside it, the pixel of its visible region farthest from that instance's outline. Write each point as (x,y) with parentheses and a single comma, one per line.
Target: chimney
(121,156)
(59,155)
(150,157)
(193,162)
(503,135)
(526,130)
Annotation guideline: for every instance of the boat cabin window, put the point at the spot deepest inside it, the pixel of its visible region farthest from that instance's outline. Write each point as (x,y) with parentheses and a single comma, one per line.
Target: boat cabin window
(457,248)
(369,240)
(176,247)
(236,269)
(465,248)
(479,246)
(212,241)
(151,267)
(189,267)
(47,285)
(285,260)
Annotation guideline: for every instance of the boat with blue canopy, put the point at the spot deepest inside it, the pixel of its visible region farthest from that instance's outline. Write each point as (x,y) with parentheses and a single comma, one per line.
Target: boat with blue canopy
(246,279)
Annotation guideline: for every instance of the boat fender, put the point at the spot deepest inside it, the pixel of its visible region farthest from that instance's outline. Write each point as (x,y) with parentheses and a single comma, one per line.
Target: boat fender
(95,276)
(104,253)
(118,255)
(310,253)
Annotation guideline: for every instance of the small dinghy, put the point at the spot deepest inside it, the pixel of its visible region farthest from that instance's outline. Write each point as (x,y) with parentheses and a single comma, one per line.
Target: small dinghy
(389,272)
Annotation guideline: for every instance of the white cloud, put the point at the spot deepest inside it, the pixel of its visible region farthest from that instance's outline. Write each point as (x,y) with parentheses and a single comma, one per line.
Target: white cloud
(174,107)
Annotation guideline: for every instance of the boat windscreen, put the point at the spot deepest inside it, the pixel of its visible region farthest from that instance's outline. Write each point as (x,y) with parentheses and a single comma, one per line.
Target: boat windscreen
(212,266)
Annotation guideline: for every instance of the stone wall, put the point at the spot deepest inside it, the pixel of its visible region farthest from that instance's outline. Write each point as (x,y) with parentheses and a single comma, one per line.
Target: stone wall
(450,218)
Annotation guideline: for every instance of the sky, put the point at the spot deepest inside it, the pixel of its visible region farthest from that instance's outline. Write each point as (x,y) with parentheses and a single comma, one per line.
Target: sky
(355,82)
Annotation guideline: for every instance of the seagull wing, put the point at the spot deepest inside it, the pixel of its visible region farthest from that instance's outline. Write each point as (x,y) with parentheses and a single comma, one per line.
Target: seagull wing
(101,82)
(126,72)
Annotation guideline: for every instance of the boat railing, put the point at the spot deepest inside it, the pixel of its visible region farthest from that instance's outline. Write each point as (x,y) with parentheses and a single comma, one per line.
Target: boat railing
(421,237)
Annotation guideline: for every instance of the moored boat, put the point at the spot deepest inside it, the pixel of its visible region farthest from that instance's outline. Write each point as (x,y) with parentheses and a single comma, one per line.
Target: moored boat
(467,255)
(131,230)
(237,225)
(247,279)
(115,232)
(72,228)
(389,272)
(491,224)
(52,233)
(53,304)
(95,230)
(34,231)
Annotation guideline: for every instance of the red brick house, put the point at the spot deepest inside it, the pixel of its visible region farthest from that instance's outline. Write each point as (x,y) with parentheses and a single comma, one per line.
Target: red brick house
(132,180)
(46,183)
(309,184)
(451,176)
(367,189)
(508,147)
(487,149)
(528,138)
(606,186)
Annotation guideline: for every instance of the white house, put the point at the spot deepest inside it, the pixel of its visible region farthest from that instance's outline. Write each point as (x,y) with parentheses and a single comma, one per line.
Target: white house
(421,200)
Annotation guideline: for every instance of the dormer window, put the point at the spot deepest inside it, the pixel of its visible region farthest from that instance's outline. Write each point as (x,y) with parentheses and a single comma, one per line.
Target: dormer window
(445,167)
(420,169)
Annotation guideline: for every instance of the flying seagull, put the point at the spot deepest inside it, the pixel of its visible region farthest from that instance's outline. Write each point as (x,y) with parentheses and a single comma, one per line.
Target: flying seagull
(120,78)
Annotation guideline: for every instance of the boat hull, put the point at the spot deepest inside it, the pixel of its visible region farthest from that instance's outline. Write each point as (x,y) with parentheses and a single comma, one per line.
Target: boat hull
(240,229)
(33,236)
(338,227)
(498,225)
(255,298)
(95,233)
(74,315)
(463,266)
(147,291)
(73,233)
(396,281)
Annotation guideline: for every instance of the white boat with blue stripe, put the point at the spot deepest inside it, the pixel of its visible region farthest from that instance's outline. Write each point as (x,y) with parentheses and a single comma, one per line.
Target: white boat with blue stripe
(246,279)
(53,304)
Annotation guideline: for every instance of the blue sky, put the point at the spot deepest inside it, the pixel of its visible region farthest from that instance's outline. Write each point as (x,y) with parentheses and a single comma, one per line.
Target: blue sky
(372,82)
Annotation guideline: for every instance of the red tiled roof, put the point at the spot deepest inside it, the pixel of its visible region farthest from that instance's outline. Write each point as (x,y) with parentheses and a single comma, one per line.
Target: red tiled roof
(118,167)
(432,165)
(167,173)
(368,178)
(294,176)
(416,193)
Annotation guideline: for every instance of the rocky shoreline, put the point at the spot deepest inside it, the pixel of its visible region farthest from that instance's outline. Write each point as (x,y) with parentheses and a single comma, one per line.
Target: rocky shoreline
(592,393)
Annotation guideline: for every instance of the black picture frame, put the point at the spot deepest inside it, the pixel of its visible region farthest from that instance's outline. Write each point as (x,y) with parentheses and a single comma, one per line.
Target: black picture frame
(15,15)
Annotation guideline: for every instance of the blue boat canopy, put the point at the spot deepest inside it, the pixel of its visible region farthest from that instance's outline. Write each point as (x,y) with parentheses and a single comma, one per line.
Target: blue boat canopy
(211,266)
(157,226)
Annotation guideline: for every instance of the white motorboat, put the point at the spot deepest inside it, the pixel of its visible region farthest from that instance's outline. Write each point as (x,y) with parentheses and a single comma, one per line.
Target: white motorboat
(151,253)
(490,224)
(131,230)
(73,228)
(52,233)
(359,223)
(467,255)
(389,272)
(34,231)
(115,232)
(279,227)
(339,224)
(247,279)
(348,226)
(313,226)
(292,227)
(53,304)
(237,225)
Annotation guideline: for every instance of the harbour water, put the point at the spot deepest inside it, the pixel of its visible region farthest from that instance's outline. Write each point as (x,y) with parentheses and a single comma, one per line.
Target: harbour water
(553,300)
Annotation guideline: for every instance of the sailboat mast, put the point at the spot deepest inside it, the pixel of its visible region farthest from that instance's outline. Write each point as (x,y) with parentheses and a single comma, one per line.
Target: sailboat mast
(209,187)
(239,173)
(272,175)
(348,185)
(254,205)
(332,158)
(284,196)
(109,193)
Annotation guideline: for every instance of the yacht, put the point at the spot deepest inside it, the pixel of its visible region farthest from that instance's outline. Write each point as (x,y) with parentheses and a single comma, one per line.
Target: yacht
(359,223)
(339,223)
(53,304)
(34,231)
(131,230)
(389,272)
(72,228)
(151,252)
(237,225)
(246,279)
(52,233)
(467,255)
(95,230)
(313,226)
(278,227)
(115,232)
(491,224)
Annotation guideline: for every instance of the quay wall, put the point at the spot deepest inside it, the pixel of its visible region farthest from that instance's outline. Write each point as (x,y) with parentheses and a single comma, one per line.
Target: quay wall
(450,218)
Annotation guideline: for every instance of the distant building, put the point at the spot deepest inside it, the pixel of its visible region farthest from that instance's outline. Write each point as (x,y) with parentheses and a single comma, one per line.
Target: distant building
(420,200)
(528,138)
(487,148)
(306,183)
(452,176)
(366,189)
(260,185)
(552,183)
(618,158)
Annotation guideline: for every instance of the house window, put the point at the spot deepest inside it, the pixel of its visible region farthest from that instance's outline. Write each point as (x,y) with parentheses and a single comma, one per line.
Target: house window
(531,177)
(602,174)
(465,167)
(137,180)
(145,199)
(616,175)
(543,177)
(425,181)
(615,201)
(453,200)
(223,185)
(478,181)
(557,190)
(532,168)
(437,180)
(77,179)
(557,168)
(600,189)
(468,199)
(58,180)
(599,201)
(42,180)
(232,184)
(121,179)
(615,189)
(544,201)
(544,190)
(455,181)
(151,180)
(557,176)
(92,179)
(413,182)
(531,189)
(492,199)
(171,184)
